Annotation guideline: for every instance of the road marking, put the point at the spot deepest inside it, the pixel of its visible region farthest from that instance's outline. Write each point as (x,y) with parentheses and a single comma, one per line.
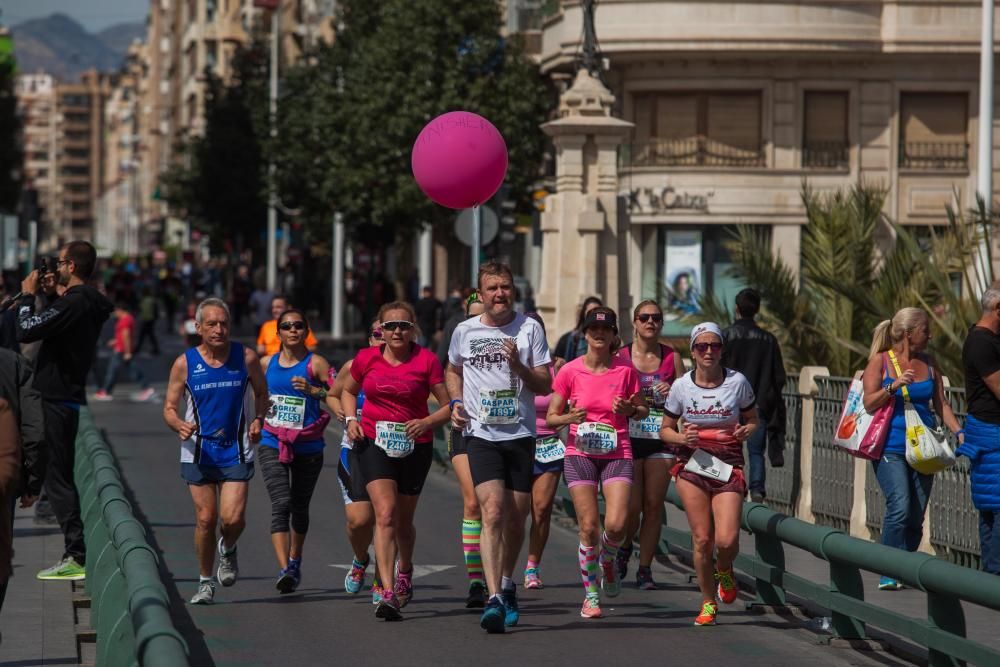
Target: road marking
(418,570)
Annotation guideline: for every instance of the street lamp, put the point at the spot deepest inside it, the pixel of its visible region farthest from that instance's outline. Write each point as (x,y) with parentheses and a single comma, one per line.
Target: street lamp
(272,207)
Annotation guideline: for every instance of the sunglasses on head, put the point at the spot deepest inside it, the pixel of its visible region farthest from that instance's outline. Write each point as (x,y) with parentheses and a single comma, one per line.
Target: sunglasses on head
(645,317)
(375,333)
(402,325)
(297,325)
(701,348)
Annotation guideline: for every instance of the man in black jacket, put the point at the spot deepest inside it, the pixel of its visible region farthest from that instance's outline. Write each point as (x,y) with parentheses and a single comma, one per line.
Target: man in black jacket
(755,353)
(68,329)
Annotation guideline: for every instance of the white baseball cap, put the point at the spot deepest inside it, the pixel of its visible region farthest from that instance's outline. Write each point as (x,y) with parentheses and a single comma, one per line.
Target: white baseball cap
(704,328)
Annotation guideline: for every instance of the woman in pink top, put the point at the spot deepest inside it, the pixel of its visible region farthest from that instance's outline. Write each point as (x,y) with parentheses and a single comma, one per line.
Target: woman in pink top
(658,366)
(602,393)
(394,441)
(549,454)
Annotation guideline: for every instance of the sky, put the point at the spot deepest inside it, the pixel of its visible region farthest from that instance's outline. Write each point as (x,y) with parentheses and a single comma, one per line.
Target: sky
(93,15)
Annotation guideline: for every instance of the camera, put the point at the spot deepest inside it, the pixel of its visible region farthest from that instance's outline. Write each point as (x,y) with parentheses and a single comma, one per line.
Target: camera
(42,266)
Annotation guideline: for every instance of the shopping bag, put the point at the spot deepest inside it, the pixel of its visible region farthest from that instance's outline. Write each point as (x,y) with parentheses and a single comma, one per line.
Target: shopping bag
(927,448)
(859,432)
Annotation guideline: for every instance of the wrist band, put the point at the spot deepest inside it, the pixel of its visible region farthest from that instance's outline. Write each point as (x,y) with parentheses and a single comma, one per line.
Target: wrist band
(452,402)
(959,432)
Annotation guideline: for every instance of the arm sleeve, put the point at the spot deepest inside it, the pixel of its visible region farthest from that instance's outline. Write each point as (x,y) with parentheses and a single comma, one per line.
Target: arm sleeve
(358,367)
(540,355)
(674,405)
(455,347)
(744,395)
(561,385)
(57,318)
(779,368)
(632,384)
(984,355)
(32,432)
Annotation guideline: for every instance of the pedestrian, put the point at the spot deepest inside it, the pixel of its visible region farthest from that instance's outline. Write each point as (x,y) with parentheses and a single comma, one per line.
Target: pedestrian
(573,344)
(268,341)
(358,512)
(189,326)
(428,315)
(658,366)
(547,469)
(595,395)
(148,314)
(394,442)
(900,370)
(497,364)
(122,355)
(472,524)
(720,414)
(756,354)
(241,290)
(981,438)
(68,329)
(220,384)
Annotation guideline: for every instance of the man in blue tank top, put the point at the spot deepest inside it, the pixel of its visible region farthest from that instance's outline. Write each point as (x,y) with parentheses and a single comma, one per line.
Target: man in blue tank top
(221,390)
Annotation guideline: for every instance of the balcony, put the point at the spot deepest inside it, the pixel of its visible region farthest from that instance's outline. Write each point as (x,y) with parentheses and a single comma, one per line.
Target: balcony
(826,155)
(694,152)
(934,156)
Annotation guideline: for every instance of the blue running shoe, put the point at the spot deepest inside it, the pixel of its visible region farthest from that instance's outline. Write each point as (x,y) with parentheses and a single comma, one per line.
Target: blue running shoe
(355,579)
(509,599)
(492,619)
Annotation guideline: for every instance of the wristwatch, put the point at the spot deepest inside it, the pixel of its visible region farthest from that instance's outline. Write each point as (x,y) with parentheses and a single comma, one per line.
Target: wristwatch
(349,418)
(454,401)
(321,394)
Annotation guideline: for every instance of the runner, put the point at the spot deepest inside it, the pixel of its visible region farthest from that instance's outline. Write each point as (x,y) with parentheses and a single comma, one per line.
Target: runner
(357,505)
(658,366)
(498,362)
(720,413)
(548,467)
(225,400)
(472,525)
(394,442)
(601,393)
(291,447)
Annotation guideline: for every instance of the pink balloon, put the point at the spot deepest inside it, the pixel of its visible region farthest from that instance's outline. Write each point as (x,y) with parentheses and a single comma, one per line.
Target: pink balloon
(459,159)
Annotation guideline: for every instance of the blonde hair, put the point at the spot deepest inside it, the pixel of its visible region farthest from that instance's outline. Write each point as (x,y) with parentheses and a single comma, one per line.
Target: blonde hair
(890,332)
(400,305)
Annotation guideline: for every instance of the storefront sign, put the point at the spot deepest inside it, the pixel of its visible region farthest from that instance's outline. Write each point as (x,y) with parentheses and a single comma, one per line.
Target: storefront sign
(663,200)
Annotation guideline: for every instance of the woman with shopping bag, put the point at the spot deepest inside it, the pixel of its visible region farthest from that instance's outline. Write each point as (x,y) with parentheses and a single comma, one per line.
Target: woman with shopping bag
(900,371)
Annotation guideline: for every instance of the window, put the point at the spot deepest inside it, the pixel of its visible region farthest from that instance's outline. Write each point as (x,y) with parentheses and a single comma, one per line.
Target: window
(211,55)
(209,11)
(698,129)
(824,126)
(933,131)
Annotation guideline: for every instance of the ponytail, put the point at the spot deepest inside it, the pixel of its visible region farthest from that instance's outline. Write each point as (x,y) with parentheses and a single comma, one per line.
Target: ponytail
(881,338)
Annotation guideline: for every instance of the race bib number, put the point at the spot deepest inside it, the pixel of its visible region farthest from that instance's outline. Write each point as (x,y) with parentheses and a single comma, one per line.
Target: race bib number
(391,438)
(596,438)
(286,411)
(648,428)
(549,449)
(704,464)
(498,406)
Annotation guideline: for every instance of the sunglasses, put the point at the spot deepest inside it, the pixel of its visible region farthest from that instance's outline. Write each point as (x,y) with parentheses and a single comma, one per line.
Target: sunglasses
(701,348)
(297,325)
(402,325)
(645,317)
(376,334)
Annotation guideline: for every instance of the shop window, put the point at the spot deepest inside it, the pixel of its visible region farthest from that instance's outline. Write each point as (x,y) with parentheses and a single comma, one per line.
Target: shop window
(707,129)
(824,124)
(933,131)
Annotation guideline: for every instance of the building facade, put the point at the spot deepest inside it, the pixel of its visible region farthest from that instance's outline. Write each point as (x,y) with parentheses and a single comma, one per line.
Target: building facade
(734,105)
(36,101)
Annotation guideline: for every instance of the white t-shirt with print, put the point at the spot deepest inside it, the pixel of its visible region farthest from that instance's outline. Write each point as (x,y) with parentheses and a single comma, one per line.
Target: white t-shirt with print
(712,408)
(488,381)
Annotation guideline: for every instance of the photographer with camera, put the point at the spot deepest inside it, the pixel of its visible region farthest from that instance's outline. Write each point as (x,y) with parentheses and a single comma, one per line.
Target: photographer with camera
(68,330)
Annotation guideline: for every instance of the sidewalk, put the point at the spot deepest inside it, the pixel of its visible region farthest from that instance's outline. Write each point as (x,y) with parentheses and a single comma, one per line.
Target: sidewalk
(37,617)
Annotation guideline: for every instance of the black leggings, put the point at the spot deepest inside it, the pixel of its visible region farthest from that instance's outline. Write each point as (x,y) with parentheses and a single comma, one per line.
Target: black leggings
(290,487)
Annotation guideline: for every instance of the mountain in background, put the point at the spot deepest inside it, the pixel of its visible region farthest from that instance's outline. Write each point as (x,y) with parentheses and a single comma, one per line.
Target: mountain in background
(60,46)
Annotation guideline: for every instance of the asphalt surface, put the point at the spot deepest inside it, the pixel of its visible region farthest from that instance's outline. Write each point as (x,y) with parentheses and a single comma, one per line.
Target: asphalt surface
(251,624)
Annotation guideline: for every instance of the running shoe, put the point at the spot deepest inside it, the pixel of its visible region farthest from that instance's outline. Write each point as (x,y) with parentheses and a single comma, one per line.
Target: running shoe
(512,612)
(531,578)
(102,395)
(727,590)
(493,618)
(403,589)
(708,612)
(609,581)
(65,570)
(205,594)
(146,394)
(644,579)
(229,567)
(376,587)
(591,606)
(477,596)
(621,561)
(355,579)
(388,607)
(884,584)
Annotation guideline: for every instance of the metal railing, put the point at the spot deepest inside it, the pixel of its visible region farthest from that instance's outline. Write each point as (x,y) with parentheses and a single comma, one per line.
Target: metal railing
(700,151)
(954,520)
(783,483)
(832,469)
(949,155)
(130,609)
(826,155)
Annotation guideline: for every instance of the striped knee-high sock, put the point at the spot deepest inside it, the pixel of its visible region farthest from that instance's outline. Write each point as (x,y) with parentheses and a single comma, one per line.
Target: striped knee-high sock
(609,549)
(588,568)
(471,530)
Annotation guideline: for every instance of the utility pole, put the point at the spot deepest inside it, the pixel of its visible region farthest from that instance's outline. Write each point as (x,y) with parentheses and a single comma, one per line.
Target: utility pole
(984,167)
(272,197)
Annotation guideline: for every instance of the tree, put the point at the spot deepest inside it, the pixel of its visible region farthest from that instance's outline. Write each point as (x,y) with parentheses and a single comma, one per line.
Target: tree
(348,117)
(10,138)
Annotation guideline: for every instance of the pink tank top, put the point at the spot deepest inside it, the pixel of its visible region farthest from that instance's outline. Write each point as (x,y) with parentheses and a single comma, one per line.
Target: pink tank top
(665,373)
(541,408)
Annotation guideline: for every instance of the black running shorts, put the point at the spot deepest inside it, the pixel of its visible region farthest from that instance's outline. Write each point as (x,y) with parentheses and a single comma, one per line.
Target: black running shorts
(409,472)
(512,461)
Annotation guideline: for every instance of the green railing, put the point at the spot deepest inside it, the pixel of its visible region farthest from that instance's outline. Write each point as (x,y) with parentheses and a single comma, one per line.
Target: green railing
(832,469)
(130,609)
(783,483)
